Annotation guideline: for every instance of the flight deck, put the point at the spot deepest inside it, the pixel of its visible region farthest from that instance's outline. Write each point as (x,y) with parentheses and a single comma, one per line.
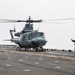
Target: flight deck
(13,62)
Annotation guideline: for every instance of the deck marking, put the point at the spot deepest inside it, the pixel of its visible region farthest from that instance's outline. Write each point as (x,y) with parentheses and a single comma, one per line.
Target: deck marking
(27,70)
(8,57)
(46,55)
(21,60)
(40,58)
(51,64)
(8,65)
(56,61)
(57,67)
(16,55)
(60,53)
(36,63)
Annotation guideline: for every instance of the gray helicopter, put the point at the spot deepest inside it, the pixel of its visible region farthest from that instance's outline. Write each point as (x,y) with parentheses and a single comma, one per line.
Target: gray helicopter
(28,37)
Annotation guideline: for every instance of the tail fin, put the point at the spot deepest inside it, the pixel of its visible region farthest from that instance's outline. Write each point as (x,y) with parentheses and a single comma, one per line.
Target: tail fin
(14,29)
(11,34)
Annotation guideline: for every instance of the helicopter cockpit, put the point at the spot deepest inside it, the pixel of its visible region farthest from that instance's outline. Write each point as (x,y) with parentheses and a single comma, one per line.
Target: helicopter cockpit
(41,34)
(36,34)
(31,35)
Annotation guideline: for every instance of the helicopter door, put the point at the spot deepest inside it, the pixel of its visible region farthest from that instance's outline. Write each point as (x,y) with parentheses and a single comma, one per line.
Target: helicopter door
(29,36)
(26,36)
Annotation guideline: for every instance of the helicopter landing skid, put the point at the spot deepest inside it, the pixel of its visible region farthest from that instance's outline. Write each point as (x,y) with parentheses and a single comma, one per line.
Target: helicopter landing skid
(40,49)
(18,48)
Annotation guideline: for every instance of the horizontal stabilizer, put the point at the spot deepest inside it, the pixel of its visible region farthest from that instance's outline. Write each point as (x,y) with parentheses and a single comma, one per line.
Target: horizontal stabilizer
(7,40)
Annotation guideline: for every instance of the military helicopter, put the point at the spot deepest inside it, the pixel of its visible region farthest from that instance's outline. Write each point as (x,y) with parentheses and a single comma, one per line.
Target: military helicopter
(28,37)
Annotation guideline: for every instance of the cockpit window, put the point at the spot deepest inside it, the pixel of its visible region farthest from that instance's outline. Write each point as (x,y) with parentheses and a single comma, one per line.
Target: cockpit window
(34,34)
(29,36)
(41,34)
(25,37)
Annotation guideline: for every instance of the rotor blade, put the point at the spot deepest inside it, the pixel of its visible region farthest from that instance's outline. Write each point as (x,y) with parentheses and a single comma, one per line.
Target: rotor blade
(7,21)
(31,21)
(60,19)
(53,22)
(11,21)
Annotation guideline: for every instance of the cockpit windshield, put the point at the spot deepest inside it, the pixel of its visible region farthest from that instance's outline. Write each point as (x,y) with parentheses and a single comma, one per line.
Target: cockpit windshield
(34,34)
(37,34)
(41,34)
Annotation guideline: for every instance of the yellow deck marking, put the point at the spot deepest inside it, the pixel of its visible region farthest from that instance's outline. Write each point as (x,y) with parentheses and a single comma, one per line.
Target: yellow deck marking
(34,53)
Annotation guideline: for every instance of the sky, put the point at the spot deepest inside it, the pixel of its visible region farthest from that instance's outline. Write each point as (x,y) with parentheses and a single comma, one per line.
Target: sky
(57,33)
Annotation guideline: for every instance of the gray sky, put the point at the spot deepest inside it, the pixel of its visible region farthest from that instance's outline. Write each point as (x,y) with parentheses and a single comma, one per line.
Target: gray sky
(58,33)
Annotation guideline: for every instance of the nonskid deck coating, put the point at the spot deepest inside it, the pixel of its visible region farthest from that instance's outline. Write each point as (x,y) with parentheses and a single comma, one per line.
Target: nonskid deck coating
(14,62)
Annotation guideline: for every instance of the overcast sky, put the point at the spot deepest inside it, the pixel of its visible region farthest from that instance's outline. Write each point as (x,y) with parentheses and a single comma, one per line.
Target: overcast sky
(58,33)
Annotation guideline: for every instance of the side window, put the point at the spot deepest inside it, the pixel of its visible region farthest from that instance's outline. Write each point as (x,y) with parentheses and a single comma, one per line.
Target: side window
(25,37)
(29,36)
(34,35)
(41,34)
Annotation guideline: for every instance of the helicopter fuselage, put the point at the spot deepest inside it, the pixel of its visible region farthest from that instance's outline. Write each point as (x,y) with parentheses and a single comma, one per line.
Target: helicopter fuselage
(30,40)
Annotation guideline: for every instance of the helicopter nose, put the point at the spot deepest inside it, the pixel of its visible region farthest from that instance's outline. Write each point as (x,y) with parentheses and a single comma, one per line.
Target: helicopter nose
(35,42)
(39,42)
(42,41)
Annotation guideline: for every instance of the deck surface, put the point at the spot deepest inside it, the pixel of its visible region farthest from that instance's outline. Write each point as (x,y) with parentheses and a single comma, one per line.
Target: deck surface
(14,62)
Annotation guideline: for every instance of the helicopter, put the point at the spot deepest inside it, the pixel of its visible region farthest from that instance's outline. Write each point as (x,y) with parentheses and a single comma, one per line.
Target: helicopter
(28,37)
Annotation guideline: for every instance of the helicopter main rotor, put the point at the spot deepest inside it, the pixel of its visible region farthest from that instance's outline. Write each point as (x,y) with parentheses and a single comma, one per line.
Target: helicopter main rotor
(29,20)
(14,21)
